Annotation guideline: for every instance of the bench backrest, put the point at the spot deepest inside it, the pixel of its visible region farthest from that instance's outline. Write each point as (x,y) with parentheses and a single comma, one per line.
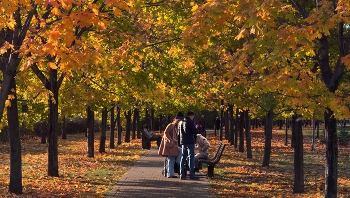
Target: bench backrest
(218,153)
(218,149)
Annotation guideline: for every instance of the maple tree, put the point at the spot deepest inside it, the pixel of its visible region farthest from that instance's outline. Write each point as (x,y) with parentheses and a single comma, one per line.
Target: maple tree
(172,55)
(289,70)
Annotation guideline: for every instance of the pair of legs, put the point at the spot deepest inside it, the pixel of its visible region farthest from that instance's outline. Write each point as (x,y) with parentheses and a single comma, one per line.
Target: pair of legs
(171,163)
(157,138)
(199,156)
(187,150)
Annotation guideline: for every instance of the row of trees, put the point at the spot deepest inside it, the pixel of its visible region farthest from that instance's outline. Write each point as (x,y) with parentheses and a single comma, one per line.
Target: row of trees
(269,57)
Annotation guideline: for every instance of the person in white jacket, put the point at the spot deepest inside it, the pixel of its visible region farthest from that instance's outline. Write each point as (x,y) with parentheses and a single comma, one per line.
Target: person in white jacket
(202,146)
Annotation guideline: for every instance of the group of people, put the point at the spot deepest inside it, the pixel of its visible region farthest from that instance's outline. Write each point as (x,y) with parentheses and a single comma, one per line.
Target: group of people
(182,143)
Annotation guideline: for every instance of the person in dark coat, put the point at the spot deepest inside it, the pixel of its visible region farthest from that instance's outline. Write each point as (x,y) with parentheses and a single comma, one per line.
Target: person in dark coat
(217,124)
(188,131)
(201,126)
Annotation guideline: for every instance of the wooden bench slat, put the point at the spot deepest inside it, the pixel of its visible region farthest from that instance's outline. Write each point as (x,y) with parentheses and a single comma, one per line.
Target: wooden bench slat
(211,162)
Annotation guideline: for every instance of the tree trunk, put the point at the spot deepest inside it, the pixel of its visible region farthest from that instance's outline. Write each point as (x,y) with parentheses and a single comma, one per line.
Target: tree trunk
(232,136)
(331,155)
(236,128)
(64,130)
(287,125)
(111,132)
(317,129)
(160,123)
(280,124)
(138,124)
(152,120)
(15,185)
(119,126)
(248,134)
(128,126)
(313,132)
(227,125)
(90,132)
(298,154)
(268,137)
(53,126)
(241,132)
(102,148)
(134,123)
(43,132)
(221,119)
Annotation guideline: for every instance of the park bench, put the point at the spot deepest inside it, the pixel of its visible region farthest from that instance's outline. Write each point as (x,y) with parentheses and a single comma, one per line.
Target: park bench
(211,162)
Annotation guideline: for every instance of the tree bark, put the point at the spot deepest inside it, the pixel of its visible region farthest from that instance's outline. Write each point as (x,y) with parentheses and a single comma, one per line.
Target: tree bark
(232,135)
(64,131)
(286,133)
(236,128)
(43,132)
(241,132)
(90,132)
(138,124)
(128,125)
(221,119)
(268,137)
(160,123)
(298,155)
(248,135)
(53,126)
(227,125)
(331,155)
(313,132)
(152,119)
(134,123)
(15,144)
(102,148)
(119,126)
(112,123)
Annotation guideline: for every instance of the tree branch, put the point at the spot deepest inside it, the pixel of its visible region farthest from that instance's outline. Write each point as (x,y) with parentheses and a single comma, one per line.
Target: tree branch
(41,76)
(299,8)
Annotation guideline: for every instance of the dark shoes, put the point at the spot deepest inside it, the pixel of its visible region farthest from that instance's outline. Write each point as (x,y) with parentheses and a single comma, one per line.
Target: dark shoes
(194,178)
(182,178)
(173,176)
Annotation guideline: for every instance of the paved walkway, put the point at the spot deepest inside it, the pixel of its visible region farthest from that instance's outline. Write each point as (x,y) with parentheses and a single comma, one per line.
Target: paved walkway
(145,179)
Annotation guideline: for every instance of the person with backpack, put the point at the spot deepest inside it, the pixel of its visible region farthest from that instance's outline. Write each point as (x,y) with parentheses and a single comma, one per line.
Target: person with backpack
(202,146)
(169,146)
(187,130)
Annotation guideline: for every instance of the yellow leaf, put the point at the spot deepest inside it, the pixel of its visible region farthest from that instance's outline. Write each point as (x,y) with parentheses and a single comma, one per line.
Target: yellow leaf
(5,47)
(117,12)
(52,65)
(11,25)
(102,25)
(7,103)
(241,34)
(95,11)
(194,8)
(10,97)
(56,11)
